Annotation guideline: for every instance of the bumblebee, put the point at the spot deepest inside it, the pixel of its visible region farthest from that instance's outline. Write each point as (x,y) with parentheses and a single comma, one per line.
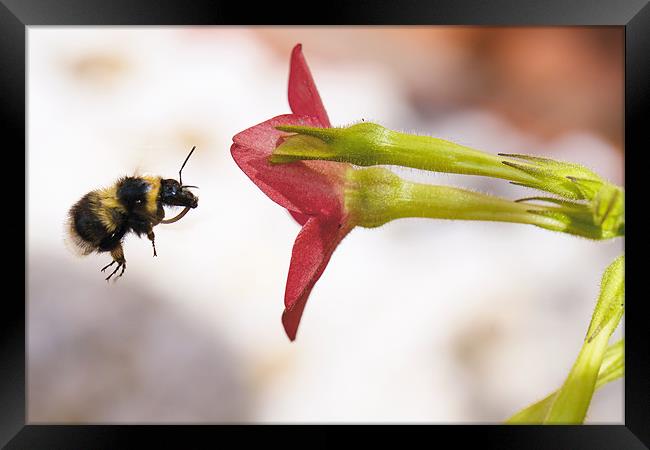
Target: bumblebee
(100,220)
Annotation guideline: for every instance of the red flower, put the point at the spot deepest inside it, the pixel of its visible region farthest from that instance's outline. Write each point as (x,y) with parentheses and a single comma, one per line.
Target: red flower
(312,191)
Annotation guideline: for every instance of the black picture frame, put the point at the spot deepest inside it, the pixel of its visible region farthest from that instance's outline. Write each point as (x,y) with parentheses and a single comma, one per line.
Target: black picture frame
(633,15)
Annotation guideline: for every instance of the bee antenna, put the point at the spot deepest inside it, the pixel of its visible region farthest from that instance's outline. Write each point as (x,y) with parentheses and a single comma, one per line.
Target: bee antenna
(180,179)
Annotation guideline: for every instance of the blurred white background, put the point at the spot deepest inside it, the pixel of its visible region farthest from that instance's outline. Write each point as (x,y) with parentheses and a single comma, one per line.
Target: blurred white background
(416,321)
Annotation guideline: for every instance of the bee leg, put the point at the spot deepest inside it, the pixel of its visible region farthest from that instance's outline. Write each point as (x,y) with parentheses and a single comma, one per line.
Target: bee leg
(123,265)
(108,265)
(118,257)
(151,237)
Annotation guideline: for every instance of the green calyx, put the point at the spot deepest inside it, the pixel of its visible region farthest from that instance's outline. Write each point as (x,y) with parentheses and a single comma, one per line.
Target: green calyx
(568,180)
(578,218)
(608,208)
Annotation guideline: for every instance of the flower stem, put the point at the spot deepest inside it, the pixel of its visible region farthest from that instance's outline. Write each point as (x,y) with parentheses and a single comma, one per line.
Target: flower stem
(573,398)
(612,368)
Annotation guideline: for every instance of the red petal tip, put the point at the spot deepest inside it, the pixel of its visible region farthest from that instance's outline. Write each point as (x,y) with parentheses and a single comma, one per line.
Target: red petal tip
(311,252)
(291,321)
(303,94)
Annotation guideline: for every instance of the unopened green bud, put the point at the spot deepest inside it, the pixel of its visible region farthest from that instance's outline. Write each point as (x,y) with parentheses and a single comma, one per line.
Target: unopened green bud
(610,305)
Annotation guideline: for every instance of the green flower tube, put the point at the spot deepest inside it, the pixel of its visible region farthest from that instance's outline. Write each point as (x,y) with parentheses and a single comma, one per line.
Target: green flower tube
(374,196)
(369,144)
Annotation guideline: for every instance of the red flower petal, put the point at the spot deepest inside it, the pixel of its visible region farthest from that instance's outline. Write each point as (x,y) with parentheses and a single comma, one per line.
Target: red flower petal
(311,253)
(306,187)
(312,191)
(303,95)
(263,138)
(300,218)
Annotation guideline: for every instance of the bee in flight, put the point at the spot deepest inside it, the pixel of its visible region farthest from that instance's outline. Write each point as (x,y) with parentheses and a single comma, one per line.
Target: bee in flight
(100,220)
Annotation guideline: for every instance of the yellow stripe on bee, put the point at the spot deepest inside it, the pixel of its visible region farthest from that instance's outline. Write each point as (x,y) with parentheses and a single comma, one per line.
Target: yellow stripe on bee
(107,203)
(152,195)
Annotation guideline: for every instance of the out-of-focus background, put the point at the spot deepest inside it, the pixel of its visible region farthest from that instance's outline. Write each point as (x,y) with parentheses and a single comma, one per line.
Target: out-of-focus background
(416,321)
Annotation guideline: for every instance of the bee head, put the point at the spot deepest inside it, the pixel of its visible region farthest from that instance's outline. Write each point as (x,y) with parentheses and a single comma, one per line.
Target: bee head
(175,194)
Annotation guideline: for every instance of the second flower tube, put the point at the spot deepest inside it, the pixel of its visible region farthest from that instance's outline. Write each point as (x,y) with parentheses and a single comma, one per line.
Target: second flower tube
(375,196)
